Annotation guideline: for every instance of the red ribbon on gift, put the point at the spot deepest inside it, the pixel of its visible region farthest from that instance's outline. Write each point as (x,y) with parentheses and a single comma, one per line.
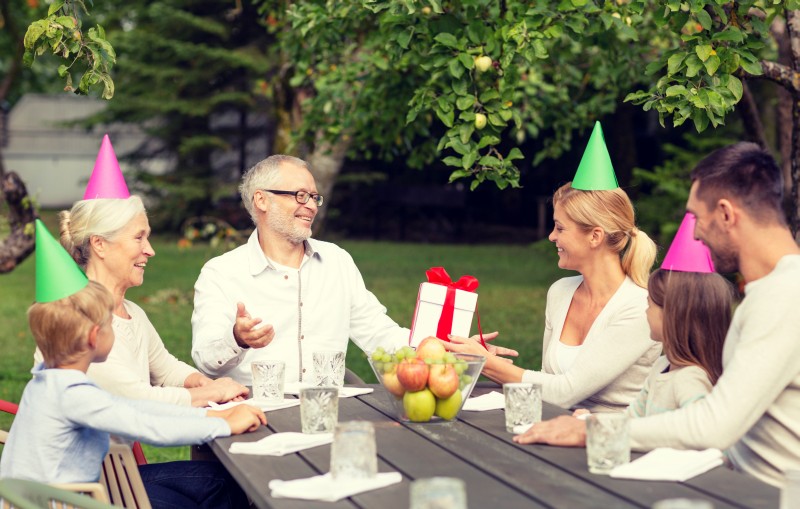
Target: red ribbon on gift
(439,276)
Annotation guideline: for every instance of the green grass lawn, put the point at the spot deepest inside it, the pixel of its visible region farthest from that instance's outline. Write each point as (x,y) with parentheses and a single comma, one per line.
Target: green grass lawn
(513,287)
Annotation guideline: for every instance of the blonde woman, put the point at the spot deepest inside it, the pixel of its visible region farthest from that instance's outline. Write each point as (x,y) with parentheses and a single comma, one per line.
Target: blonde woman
(109,239)
(597,350)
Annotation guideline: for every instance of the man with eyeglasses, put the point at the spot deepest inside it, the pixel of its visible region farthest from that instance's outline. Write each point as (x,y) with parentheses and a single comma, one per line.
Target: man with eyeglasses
(283,295)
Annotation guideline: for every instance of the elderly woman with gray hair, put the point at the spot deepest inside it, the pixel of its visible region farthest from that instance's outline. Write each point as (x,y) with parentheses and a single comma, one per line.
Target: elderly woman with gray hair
(109,239)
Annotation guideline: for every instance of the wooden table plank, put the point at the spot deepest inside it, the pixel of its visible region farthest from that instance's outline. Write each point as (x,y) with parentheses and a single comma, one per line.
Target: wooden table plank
(498,473)
(721,486)
(537,479)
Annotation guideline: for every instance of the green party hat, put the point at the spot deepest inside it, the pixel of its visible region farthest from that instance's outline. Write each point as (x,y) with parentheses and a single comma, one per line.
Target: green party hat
(57,274)
(595,173)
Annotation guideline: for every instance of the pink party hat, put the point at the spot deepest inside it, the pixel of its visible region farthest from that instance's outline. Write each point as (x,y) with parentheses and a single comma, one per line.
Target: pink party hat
(106,180)
(687,254)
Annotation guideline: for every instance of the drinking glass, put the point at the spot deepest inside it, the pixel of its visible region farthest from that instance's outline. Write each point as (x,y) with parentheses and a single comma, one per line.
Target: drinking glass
(523,405)
(607,442)
(328,368)
(353,452)
(319,409)
(438,493)
(268,379)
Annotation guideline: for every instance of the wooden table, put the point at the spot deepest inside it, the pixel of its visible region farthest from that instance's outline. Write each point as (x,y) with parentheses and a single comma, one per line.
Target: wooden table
(499,474)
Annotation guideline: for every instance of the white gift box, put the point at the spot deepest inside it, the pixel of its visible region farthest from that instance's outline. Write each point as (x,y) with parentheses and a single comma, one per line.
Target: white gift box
(430,303)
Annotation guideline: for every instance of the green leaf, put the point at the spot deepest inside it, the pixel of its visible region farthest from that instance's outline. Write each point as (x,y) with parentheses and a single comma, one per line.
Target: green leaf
(693,66)
(65,21)
(700,119)
(460,87)
(496,120)
(58,4)
(704,18)
(674,63)
(731,33)
(488,140)
(465,102)
(712,64)
(457,174)
(466,60)
(404,37)
(704,51)
(514,153)
(445,116)
(468,160)
(465,131)
(489,95)
(62,70)
(446,39)
(753,68)
(456,69)
(35,30)
(735,86)
(676,90)
(452,161)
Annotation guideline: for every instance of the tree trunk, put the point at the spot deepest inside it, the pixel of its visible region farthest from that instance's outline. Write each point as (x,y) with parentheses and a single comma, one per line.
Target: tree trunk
(326,161)
(793,29)
(783,125)
(748,111)
(20,241)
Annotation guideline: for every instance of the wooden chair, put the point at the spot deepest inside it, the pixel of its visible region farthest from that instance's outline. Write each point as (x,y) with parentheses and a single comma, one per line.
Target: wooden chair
(22,494)
(120,482)
(121,479)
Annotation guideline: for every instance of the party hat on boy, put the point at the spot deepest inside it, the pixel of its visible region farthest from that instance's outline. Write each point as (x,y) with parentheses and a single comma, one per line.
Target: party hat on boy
(57,274)
(595,173)
(106,180)
(687,254)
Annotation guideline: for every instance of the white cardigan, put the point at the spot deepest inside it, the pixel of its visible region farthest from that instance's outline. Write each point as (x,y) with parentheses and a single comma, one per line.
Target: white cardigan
(616,356)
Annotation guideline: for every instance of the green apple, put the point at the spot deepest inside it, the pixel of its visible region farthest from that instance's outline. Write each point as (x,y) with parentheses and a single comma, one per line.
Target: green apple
(419,405)
(480,121)
(483,63)
(447,408)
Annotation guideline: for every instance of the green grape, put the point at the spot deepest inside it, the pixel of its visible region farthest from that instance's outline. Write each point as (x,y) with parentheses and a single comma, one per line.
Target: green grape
(377,354)
(466,379)
(379,366)
(450,358)
(400,354)
(386,357)
(460,367)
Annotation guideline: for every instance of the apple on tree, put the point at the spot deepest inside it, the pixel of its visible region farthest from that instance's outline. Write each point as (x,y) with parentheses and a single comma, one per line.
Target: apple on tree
(480,121)
(483,63)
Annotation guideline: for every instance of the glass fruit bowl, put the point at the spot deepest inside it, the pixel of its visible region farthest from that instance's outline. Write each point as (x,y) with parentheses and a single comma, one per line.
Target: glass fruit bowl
(426,385)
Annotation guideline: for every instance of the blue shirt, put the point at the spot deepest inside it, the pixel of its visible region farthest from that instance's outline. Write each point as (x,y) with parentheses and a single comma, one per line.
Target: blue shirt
(61,431)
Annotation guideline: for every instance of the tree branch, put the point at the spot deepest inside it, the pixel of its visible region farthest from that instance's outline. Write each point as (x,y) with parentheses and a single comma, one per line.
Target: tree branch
(748,110)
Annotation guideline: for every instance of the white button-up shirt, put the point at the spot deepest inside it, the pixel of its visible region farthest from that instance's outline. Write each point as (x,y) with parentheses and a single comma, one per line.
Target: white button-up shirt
(318,307)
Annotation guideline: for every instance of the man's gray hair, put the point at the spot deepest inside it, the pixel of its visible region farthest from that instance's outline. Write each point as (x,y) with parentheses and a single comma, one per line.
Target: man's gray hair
(264,175)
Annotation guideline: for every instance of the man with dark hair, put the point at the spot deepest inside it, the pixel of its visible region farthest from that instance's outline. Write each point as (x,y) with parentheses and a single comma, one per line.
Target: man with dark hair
(754,409)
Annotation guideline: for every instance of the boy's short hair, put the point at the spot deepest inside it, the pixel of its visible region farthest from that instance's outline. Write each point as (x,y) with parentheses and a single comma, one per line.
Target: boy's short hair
(61,327)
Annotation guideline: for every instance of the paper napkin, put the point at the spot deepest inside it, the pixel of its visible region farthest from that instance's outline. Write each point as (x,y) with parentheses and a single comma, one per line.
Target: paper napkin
(293,388)
(323,487)
(490,401)
(665,464)
(280,444)
(264,405)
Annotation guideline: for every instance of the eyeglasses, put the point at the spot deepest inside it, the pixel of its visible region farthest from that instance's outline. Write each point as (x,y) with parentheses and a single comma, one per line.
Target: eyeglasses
(302,197)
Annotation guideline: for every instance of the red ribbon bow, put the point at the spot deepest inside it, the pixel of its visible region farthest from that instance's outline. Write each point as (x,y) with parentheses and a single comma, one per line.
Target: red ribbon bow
(439,276)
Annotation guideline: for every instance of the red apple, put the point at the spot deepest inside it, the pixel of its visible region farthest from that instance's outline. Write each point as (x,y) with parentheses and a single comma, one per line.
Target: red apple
(413,374)
(392,384)
(443,380)
(431,348)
